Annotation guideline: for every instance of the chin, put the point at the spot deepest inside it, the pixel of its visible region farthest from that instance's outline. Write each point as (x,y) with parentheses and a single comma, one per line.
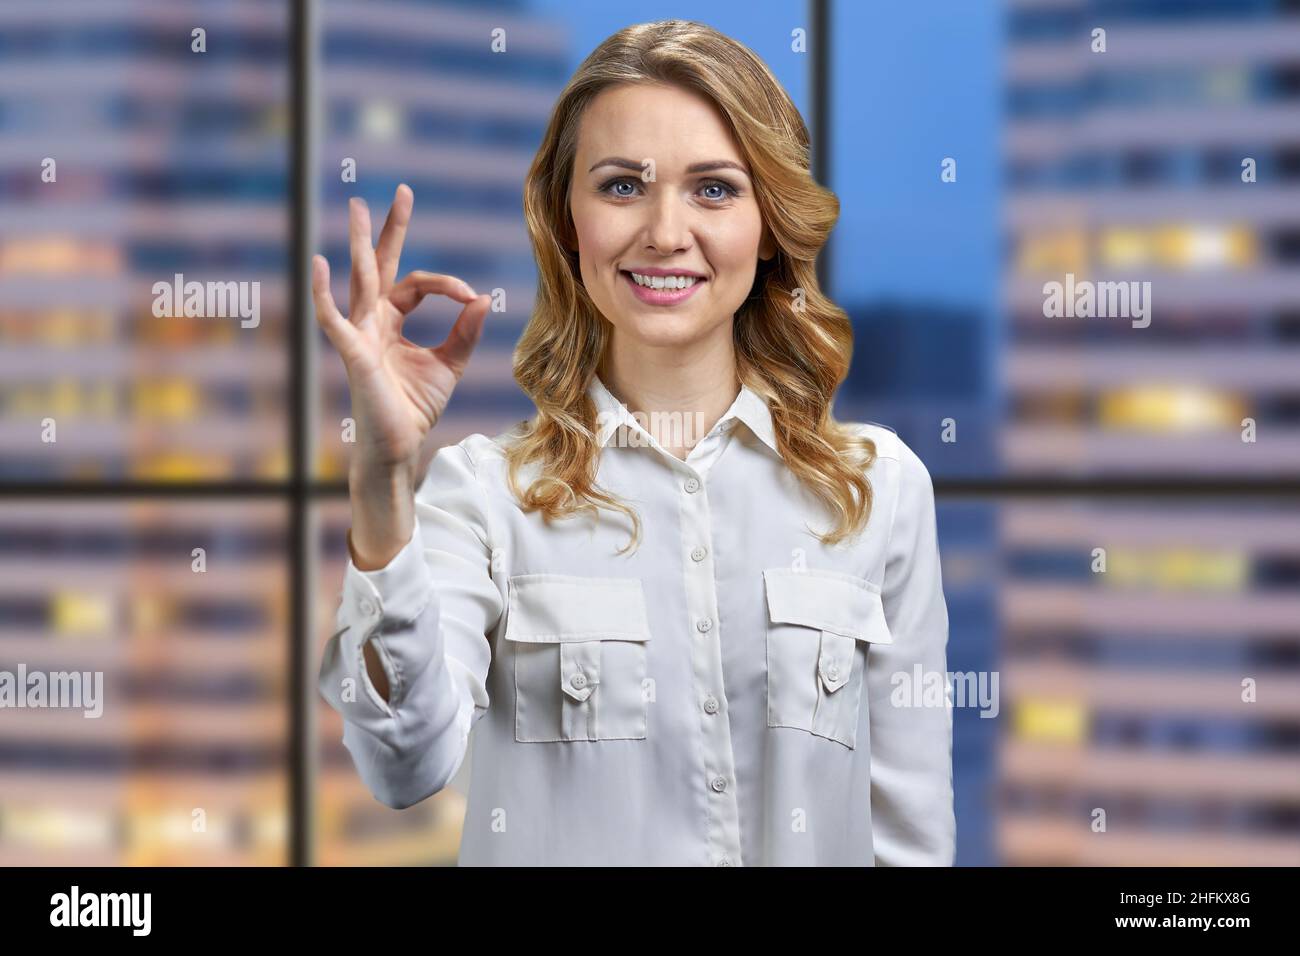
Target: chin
(662,327)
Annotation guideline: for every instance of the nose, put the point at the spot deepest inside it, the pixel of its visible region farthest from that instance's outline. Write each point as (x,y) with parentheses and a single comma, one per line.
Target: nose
(668,229)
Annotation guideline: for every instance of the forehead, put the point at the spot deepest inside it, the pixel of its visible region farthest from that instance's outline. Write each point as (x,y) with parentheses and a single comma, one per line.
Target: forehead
(670,124)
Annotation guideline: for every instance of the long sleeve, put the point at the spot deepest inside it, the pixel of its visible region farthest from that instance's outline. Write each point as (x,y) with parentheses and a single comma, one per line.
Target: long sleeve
(913,823)
(428,614)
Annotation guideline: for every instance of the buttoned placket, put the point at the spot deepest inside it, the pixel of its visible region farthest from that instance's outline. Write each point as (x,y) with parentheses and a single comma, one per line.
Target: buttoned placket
(719,778)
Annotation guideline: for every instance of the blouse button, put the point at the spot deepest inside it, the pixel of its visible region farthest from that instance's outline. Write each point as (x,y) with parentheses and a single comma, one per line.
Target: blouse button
(724,862)
(719,784)
(833,671)
(579,681)
(691,485)
(710,705)
(698,554)
(704,625)
(367,607)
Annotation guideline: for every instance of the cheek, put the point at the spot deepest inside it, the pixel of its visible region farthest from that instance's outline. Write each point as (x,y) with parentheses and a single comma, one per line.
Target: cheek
(601,236)
(734,243)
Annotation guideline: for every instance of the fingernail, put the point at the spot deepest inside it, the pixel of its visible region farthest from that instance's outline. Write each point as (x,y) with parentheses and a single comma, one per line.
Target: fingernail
(469,290)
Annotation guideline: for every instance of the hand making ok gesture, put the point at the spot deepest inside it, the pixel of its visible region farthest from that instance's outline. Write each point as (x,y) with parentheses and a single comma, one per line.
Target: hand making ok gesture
(399,389)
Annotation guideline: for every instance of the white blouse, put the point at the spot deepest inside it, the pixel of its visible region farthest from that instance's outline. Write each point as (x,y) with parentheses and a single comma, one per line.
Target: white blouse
(731,693)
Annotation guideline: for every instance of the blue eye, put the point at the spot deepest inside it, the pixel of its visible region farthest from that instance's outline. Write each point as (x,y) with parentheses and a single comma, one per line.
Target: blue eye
(727,190)
(615,183)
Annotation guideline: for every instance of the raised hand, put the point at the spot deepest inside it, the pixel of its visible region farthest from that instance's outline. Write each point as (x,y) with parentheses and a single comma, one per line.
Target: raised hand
(399,389)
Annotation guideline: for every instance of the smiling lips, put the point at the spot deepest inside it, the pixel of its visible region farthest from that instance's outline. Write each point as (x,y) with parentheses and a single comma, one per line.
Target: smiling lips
(662,287)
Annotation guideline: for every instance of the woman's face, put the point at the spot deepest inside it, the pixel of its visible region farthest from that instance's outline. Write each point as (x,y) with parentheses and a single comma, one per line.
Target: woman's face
(669,232)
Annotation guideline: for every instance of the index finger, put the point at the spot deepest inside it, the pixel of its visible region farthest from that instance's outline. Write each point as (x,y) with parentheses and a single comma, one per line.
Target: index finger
(406,295)
(365,274)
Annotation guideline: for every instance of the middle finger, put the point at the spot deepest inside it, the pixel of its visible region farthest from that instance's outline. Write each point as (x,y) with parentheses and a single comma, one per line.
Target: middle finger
(365,272)
(389,251)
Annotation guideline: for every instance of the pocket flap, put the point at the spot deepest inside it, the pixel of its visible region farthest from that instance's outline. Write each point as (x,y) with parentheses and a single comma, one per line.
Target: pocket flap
(559,608)
(829,601)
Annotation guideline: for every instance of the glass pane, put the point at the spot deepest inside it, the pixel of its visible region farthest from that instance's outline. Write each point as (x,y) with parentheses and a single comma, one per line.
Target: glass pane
(1150,291)
(143,657)
(1104,284)
(914,258)
(413,93)
(143,240)
(1149,653)
(352,827)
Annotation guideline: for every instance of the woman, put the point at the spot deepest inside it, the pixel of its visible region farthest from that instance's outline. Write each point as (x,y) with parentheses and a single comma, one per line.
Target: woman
(662,659)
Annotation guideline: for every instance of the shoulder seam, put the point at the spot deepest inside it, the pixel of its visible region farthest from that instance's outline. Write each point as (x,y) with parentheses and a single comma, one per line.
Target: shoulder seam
(463,445)
(889,448)
(482,491)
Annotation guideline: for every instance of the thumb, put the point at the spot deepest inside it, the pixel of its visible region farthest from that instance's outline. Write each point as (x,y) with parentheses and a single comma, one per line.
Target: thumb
(464,335)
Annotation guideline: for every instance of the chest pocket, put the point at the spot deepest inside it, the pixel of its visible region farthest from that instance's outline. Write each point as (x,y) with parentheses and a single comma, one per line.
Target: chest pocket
(820,627)
(579,649)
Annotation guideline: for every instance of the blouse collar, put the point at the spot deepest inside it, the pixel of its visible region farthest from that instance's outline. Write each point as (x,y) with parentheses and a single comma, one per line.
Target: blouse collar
(749,407)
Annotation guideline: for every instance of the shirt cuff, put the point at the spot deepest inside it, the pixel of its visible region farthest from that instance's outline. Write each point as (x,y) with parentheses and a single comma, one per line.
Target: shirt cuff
(399,590)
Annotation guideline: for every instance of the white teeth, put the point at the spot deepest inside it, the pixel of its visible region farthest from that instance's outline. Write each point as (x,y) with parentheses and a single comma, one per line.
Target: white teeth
(664,282)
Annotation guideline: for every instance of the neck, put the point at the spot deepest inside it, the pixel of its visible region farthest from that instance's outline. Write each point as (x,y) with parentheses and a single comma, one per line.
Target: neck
(677,398)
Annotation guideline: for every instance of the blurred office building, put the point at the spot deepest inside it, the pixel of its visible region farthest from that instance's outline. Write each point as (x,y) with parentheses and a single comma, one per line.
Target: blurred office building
(133,149)
(1151,643)
(1148,640)
(453,100)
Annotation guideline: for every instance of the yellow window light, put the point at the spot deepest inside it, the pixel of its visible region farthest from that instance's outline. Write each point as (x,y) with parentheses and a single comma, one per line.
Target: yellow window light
(1062,251)
(60,254)
(1124,247)
(180,467)
(1177,569)
(76,614)
(57,828)
(1056,720)
(172,399)
(1170,408)
(1242,247)
(1197,247)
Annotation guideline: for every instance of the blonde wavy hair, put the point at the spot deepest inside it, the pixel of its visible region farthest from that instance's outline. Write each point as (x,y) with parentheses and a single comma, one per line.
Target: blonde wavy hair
(792,344)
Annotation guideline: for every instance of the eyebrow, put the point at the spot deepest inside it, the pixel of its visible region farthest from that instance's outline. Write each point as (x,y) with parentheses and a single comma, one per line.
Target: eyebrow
(708,167)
